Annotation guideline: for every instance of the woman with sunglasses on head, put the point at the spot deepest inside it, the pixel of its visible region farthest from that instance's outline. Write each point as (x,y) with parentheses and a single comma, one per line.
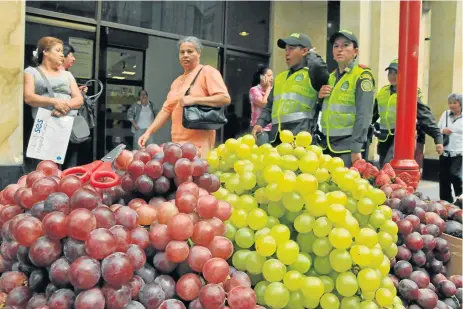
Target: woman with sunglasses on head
(66,98)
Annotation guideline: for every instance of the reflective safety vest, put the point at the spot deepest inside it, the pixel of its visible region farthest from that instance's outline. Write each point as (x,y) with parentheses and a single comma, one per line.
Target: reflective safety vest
(387,104)
(387,108)
(338,111)
(293,98)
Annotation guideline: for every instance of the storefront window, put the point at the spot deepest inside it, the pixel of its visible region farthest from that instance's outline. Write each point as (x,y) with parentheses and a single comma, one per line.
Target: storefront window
(124,64)
(248,24)
(203,19)
(79,8)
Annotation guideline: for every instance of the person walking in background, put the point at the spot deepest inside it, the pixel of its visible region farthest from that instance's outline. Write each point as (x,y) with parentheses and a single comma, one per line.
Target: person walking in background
(385,110)
(292,102)
(450,161)
(347,101)
(262,85)
(141,114)
(209,90)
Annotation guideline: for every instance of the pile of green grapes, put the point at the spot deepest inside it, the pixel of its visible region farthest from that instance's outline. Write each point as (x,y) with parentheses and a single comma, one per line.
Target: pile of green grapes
(309,231)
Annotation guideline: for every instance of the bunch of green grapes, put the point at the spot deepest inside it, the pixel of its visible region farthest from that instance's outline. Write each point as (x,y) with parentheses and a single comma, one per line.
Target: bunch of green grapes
(308,231)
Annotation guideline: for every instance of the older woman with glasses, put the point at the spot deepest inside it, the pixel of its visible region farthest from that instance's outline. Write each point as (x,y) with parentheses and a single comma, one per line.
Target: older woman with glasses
(450,173)
(209,89)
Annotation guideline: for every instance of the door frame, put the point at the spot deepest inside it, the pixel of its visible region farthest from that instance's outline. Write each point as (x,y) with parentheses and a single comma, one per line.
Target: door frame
(103,71)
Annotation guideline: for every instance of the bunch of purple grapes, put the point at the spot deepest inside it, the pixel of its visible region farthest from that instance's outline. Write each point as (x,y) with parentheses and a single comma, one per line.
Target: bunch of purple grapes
(419,270)
(157,244)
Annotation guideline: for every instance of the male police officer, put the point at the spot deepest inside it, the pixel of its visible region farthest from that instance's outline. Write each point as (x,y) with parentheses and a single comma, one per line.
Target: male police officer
(385,110)
(292,103)
(348,100)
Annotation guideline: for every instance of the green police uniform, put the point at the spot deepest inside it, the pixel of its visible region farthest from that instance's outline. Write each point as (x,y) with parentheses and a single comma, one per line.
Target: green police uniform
(291,105)
(385,109)
(347,110)
(294,98)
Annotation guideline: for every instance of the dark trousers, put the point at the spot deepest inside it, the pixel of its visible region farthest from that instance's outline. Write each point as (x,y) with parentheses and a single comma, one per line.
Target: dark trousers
(346,157)
(450,175)
(385,151)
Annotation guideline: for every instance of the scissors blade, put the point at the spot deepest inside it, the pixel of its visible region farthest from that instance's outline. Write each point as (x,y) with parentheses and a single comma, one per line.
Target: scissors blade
(113,154)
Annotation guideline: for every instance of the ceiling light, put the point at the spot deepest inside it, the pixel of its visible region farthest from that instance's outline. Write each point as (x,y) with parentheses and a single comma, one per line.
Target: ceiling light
(244,33)
(118,77)
(134,66)
(129,72)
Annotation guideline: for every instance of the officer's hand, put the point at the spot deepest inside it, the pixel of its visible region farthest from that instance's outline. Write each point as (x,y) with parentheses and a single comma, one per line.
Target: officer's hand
(447,131)
(325,91)
(355,156)
(257,130)
(439,149)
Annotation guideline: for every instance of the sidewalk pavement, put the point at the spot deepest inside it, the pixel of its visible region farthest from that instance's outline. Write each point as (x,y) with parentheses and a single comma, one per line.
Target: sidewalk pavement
(429,188)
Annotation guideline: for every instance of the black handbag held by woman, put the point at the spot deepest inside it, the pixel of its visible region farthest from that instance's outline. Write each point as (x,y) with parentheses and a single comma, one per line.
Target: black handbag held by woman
(201,117)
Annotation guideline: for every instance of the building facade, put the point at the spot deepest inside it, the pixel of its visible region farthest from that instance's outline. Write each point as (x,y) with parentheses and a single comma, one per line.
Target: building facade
(131,45)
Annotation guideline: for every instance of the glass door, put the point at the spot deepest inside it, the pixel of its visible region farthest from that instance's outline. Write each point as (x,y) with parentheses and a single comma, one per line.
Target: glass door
(122,72)
(124,81)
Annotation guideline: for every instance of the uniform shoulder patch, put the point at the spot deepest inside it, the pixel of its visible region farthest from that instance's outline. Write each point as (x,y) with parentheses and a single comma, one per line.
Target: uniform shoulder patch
(365,75)
(366,85)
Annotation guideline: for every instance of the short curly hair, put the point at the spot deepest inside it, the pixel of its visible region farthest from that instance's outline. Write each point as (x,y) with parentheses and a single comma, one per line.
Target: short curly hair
(454,97)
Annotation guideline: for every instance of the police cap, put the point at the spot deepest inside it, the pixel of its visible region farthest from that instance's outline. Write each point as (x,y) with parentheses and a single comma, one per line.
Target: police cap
(347,34)
(295,39)
(393,65)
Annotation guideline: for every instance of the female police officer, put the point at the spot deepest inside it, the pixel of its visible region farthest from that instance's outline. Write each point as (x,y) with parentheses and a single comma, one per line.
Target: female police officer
(347,101)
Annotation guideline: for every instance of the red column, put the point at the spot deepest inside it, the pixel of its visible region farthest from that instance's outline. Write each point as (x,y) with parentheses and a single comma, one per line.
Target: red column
(405,133)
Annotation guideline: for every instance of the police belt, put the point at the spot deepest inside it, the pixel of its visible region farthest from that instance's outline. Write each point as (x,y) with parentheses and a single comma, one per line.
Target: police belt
(292,117)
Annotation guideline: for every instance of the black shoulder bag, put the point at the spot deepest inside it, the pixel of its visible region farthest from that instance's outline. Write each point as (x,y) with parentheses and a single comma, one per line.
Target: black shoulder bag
(201,117)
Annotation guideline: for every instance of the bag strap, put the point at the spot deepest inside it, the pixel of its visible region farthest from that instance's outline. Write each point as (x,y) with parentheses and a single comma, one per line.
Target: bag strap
(192,83)
(47,83)
(100,91)
(446,119)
